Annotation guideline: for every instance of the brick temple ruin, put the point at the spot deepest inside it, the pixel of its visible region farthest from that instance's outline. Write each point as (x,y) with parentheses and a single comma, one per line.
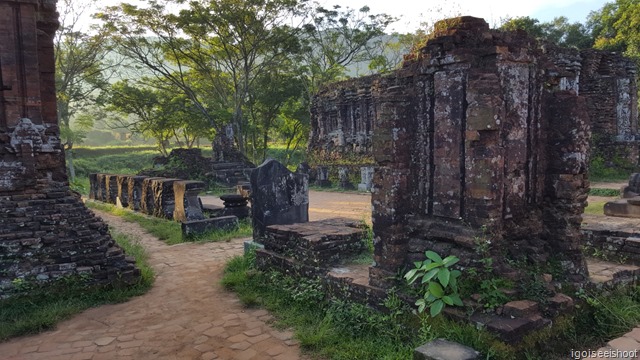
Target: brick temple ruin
(343,115)
(45,230)
(483,135)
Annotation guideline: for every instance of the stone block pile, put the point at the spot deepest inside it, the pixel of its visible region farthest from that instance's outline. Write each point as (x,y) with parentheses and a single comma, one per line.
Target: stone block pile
(316,243)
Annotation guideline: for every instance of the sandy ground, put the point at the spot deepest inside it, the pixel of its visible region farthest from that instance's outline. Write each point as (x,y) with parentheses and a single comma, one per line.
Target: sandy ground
(325,204)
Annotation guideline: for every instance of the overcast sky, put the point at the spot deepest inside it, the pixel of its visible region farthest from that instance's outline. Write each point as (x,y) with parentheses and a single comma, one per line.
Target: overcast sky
(413,12)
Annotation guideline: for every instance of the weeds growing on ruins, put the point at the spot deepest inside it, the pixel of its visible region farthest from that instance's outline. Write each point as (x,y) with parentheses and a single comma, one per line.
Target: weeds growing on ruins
(339,329)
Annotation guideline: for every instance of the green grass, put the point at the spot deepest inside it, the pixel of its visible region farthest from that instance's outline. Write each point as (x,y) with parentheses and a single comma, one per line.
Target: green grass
(595,208)
(170,231)
(338,329)
(120,163)
(616,171)
(279,152)
(604,192)
(45,306)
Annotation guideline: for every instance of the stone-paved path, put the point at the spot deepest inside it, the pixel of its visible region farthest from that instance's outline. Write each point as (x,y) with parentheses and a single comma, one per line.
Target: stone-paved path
(186,315)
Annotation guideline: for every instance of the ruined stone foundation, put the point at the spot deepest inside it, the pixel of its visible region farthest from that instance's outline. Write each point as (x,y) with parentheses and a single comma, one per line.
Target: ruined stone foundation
(46,232)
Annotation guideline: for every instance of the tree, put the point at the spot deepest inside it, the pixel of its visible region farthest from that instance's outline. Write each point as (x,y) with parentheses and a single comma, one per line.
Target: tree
(335,39)
(226,44)
(81,73)
(530,25)
(271,93)
(156,113)
(616,27)
(559,31)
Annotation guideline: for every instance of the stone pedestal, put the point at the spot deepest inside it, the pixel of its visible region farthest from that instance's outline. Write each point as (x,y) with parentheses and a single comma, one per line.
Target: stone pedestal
(147,200)
(236,205)
(111,185)
(134,190)
(163,197)
(93,186)
(366,178)
(191,229)
(629,205)
(322,176)
(122,199)
(187,203)
(101,187)
(343,175)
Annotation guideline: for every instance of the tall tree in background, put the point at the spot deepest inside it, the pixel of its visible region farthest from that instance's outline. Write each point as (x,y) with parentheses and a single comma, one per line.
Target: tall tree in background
(157,113)
(559,31)
(226,44)
(81,73)
(229,54)
(337,38)
(616,27)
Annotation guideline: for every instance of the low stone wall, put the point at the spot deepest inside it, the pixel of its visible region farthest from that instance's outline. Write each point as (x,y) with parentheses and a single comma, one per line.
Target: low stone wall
(171,199)
(614,244)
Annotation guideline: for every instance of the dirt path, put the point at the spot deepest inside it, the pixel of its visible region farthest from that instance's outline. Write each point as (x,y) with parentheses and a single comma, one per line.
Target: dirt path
(186,315)
(325,204)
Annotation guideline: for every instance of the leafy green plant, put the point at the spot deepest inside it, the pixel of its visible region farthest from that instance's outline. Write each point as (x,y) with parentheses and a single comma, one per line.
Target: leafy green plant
(491,294)
(438,282)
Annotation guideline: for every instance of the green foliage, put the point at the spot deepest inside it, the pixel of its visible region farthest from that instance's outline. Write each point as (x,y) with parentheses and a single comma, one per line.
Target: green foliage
(438,284)
(287,155)
(604,192)
(118,160)
(330,329)
(611,170)
(558,31)
(80,185)
(615,27)
(533,287)
(156,112)
(46,305)
(491,294)
(482,280)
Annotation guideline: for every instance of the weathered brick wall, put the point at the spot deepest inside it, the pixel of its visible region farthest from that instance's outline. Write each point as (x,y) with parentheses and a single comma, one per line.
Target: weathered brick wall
(342,117)
(483,133)
(608,82)
(343,113)
(45,230)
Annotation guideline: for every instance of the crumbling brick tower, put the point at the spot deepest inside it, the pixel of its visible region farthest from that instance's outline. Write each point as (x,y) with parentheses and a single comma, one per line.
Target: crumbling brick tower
(45,230)
(482,136)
